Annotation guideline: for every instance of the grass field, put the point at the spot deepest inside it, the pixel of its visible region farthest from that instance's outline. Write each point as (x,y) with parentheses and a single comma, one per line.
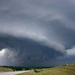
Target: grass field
(5,69)
(61,70)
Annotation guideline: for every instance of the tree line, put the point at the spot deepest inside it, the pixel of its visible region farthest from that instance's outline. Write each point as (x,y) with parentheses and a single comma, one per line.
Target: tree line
(17,68)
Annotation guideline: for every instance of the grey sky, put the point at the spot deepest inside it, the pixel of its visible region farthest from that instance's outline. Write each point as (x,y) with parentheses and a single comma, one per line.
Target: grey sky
(42,24)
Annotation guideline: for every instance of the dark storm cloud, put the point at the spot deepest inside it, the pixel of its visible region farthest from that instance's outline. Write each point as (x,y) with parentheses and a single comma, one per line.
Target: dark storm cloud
(20,50)
(36,30)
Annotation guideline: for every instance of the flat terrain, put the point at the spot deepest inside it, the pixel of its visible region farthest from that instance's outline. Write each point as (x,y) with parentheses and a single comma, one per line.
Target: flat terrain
(12,73)
(5,69)
(61,70)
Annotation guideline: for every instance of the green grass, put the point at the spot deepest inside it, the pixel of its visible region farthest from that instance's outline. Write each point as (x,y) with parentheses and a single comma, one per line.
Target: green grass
(5,69)
(61,70)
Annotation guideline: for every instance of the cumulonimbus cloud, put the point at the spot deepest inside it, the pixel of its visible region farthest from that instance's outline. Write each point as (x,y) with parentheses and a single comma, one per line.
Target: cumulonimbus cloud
(40,30)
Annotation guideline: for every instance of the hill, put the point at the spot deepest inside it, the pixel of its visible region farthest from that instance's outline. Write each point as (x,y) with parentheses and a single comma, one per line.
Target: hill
(61,70)
(5,69)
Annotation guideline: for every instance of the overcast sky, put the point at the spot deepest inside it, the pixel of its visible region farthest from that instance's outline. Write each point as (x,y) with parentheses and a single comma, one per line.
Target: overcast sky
(37,32)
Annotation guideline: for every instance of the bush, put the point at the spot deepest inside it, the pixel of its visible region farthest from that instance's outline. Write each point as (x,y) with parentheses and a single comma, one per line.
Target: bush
(37,70)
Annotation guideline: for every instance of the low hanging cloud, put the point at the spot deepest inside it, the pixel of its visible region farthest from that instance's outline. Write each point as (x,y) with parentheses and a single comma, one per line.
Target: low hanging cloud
(21,50)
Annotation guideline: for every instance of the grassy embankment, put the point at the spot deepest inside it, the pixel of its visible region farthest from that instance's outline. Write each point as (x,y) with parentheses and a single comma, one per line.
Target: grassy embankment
(61,70)
(5,69)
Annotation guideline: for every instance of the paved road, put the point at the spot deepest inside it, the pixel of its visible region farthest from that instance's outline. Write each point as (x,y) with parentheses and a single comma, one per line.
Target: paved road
(12,73)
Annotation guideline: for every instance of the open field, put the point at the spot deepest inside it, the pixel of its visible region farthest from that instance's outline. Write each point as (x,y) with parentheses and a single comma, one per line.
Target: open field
(5,69)
(61,70)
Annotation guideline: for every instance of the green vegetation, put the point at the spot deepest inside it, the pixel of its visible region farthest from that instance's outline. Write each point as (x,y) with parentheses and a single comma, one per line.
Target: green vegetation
(61,70)
(5,69)
(16,68)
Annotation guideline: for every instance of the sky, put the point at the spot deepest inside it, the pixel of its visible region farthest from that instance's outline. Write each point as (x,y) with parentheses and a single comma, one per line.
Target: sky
(37,32)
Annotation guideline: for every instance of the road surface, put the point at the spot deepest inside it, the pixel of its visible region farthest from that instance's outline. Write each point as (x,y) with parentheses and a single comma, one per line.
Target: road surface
(12,73)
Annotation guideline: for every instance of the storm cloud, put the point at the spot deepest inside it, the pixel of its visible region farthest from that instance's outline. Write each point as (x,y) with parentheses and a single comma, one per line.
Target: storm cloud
(36,31)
